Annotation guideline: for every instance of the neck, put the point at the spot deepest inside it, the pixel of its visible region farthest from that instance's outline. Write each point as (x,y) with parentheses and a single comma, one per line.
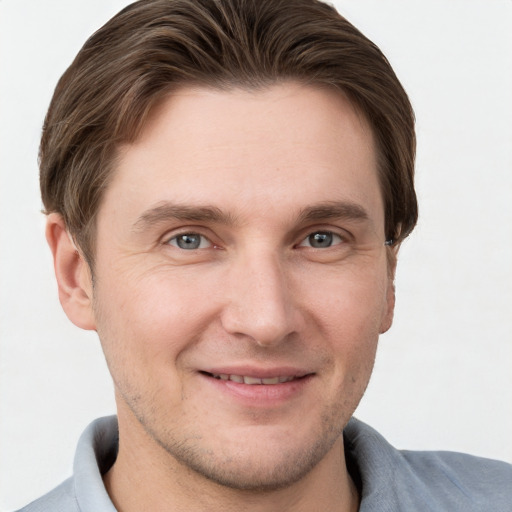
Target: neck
(147,477)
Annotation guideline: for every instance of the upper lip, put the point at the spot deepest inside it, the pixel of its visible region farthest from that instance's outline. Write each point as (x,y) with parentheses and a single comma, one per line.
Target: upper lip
(258,372)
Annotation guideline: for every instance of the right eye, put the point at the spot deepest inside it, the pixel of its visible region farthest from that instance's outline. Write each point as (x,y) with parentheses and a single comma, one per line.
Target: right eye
(190,241)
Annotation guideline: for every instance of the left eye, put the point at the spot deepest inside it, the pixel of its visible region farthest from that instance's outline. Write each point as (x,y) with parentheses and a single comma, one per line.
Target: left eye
(321,240)
(190,241)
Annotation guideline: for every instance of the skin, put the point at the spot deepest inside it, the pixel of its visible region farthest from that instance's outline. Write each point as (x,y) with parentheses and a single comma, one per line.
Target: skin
(252,177)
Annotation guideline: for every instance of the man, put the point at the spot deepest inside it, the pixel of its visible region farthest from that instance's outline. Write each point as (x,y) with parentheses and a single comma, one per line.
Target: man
(227,186)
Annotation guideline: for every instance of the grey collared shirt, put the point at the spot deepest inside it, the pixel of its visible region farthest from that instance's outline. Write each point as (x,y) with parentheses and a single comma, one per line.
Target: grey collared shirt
(389,480)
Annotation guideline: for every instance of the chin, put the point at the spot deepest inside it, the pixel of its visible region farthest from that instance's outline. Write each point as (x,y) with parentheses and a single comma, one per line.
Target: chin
(256,461)
(243,472)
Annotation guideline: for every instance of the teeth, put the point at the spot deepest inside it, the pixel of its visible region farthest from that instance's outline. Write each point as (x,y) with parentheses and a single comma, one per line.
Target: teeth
(221,376)
(244,379)
(251,380)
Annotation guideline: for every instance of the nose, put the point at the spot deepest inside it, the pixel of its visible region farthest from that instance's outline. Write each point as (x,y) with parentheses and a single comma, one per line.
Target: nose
(259,301)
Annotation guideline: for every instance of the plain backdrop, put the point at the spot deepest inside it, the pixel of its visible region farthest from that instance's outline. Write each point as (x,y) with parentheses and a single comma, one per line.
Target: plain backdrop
(443,378)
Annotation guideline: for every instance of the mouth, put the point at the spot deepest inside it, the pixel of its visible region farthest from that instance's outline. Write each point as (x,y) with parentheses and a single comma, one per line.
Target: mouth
(251,381)
(257,387)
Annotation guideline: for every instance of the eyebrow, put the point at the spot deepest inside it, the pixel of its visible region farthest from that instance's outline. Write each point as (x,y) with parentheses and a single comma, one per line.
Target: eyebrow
(333,210)
(165,211)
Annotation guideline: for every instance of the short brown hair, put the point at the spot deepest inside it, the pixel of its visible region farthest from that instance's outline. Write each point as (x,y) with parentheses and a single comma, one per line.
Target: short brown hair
(155,46)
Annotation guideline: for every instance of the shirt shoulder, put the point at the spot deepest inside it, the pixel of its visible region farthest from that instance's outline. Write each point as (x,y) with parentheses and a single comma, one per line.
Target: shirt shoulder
(473,483)
(61,499)
(84,491)
(408,481)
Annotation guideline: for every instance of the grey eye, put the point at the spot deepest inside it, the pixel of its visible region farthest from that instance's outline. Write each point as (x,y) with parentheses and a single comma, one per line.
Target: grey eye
(321,240)
(190,241)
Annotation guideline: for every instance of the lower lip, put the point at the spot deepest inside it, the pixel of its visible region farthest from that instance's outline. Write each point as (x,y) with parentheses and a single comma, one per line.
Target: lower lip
(262,395)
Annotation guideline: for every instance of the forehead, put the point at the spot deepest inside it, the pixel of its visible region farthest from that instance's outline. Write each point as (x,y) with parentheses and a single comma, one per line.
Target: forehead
(289,143)
(258,116)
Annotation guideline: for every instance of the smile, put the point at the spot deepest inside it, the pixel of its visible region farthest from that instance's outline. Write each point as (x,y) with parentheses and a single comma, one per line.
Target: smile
(245,379)
(251,387)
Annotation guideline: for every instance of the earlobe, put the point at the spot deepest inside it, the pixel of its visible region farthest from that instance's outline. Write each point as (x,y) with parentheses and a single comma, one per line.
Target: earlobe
(72,272)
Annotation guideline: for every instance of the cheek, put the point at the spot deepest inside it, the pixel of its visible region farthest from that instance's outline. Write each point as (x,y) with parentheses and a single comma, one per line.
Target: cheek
(351,300)
(149,319)
(348,310)
(157,299)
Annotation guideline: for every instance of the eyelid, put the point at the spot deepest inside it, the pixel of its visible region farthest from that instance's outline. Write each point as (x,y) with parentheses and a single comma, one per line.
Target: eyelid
(303,242)
(203,239)
(345,235)
(186,230)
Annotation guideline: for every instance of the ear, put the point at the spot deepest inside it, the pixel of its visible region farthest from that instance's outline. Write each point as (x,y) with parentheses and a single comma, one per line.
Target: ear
(389,306)
(73,275)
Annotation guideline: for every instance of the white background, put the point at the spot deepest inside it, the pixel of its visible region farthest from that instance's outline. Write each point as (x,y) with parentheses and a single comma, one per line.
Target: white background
(443,378)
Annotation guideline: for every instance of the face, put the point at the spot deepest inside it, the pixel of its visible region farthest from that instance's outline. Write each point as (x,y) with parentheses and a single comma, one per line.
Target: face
(241,280)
